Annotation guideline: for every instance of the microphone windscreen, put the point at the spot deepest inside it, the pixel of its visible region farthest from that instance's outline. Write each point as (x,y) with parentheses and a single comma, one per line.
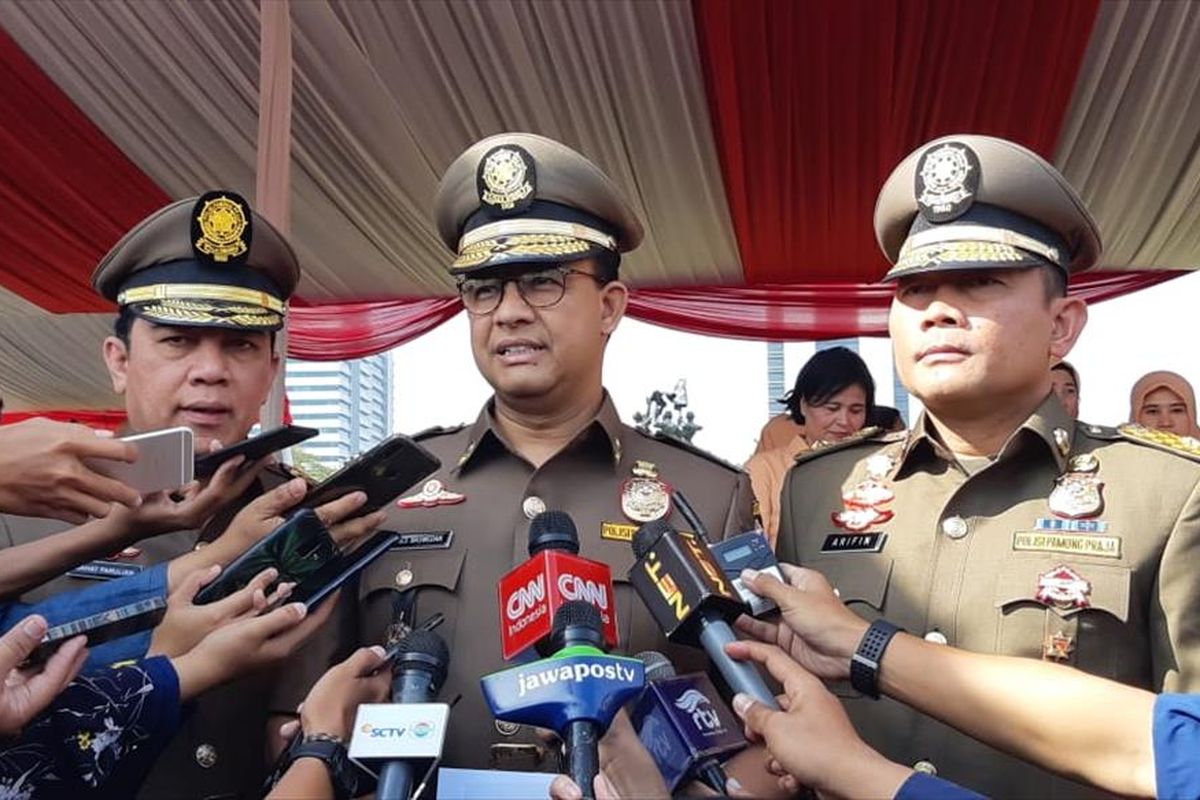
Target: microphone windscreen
(648,535)
(553,530)
(658,667)
(424,650)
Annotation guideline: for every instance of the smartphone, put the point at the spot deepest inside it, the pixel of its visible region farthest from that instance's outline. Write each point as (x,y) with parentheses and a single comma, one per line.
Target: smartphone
(104,626)
(164,461)
(391,467)
(329,578)
(254,448)
(298,548)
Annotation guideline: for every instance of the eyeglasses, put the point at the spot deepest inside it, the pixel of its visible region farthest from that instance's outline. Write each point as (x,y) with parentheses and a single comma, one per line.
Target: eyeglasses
(541,289)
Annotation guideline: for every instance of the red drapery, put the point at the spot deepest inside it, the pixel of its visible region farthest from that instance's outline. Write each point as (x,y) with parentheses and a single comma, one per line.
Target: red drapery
(813,103)
(337,331)
(109,420)
(67,192)
(819,311)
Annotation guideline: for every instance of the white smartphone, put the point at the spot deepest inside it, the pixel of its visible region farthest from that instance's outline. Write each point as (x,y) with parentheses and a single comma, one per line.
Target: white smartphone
(165,461)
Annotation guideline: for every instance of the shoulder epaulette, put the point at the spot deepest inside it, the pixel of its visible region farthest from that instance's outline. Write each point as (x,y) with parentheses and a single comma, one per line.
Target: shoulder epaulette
(689,447)
(870,435)
(437,430)
(1185,446)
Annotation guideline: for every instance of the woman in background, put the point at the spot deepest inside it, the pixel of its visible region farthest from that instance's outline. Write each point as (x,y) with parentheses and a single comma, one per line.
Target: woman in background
(833,395)
(1164,401)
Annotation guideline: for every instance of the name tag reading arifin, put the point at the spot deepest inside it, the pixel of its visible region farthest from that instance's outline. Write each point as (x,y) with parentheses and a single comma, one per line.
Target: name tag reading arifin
(854,543)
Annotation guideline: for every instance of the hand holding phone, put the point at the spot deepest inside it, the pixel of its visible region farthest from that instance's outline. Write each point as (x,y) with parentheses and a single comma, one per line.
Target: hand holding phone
(164,461)
(254,448)
(383,473)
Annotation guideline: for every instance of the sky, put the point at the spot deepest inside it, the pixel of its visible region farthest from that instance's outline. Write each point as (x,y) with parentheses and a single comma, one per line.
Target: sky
(436,382)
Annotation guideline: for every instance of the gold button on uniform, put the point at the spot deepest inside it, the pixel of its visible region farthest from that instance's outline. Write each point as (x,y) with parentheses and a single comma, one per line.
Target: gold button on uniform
(955,527)
(532,506)
(206,756)
(404,577)
(936,637)
(925,766)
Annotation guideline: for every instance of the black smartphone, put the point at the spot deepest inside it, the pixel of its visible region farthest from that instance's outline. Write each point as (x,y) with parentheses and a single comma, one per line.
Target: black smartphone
(102,627)
(298,548)
(393,466)
(330,577)
(254,448)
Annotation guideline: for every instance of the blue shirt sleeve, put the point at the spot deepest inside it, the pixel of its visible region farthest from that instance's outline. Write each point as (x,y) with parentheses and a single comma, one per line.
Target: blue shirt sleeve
(922,786)
(149,583)
(100,737)
(1177,745)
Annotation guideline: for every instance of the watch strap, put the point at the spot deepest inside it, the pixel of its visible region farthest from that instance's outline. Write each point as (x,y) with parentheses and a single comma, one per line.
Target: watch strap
(864,666)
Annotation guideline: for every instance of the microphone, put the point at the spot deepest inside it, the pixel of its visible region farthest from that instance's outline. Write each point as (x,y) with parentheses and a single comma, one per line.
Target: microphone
(555,574)
(684,725)
(576,692)
(418,674)
(692,601)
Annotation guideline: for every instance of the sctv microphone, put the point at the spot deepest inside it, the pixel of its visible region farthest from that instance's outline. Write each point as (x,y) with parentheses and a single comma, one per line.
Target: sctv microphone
(692,601)
(554,574)
(410,725)
(576,692)
(684,725)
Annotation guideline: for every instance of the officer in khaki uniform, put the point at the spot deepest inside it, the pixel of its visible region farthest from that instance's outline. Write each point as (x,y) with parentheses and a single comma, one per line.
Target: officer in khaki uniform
(211,268)
(999,524)
(537,230)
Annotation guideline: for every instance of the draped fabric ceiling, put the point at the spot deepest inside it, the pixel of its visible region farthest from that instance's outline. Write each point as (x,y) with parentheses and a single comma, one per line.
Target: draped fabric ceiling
(751,136)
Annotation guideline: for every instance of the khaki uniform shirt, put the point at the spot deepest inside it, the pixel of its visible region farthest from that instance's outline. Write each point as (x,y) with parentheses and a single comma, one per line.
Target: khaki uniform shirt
(973,561)
(490,537)
(220,750)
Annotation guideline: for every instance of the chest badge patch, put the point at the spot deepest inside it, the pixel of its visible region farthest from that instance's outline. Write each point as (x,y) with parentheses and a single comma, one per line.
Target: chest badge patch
(645,497)
(866,503)
(1063,587)
(432,495)
(1079,492)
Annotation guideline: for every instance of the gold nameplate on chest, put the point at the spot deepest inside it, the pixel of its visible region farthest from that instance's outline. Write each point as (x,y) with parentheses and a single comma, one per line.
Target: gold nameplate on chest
(617,531)
(1078,544)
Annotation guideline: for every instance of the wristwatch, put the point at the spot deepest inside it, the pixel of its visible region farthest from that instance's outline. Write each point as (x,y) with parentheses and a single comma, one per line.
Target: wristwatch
(331,751)
(864,666)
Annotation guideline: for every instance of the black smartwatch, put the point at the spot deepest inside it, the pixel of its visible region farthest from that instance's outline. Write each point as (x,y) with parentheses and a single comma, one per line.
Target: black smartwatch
(331,751)
(864,666)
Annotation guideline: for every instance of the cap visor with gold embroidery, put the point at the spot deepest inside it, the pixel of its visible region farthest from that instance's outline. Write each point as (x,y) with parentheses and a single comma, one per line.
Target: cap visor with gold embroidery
(518,198)
(187,293)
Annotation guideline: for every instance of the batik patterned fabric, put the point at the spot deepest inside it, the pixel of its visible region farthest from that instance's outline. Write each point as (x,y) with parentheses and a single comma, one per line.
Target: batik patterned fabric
(99,737)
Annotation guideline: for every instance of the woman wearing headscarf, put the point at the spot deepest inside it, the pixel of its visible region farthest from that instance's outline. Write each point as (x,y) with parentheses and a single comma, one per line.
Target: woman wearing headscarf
(833,395)
(1164,401)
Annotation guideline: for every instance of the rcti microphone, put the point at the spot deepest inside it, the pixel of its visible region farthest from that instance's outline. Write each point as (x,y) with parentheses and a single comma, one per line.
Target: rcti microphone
(576,692)
(554,574)
(692,601)
(684,725)
(418,673)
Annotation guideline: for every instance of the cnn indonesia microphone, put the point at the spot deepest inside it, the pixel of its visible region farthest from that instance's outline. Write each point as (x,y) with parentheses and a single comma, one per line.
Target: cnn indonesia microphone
(409,731)
(683,724)
(576,692)
(692,601)
(555,574)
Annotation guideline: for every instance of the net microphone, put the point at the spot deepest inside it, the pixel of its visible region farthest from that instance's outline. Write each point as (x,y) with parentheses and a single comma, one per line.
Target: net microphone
(418,674)
(576,692)
(683,724)
(692,600)
(555,574)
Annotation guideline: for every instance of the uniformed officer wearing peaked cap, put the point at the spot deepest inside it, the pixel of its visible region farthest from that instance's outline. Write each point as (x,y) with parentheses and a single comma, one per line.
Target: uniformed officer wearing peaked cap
(212,265)
(205,261)
(536,230)
(998,523)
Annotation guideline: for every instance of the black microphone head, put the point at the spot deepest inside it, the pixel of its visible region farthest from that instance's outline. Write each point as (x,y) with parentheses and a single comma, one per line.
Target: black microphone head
(648,535)
(577,622)
(658,667)
(425,651)
(553,530)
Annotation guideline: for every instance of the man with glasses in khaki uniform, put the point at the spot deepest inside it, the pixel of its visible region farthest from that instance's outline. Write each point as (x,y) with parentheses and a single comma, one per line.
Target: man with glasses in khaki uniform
(998,523)
(538,231)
